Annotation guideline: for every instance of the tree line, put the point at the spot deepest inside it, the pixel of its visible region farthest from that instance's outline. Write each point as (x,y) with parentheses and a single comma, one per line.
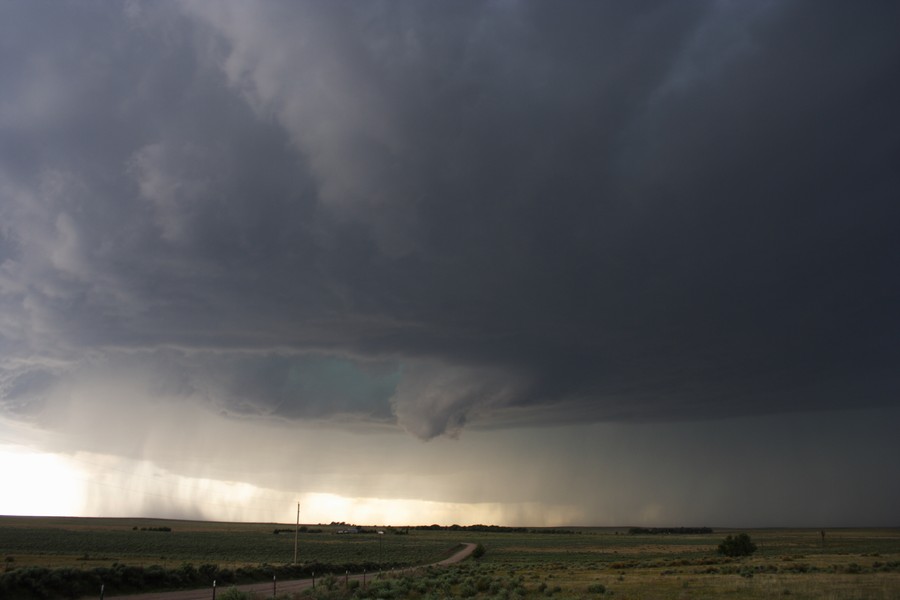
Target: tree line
(492,529)
(669,530)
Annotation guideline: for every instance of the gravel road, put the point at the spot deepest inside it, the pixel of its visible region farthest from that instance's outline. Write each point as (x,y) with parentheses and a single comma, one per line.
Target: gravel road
(281,587)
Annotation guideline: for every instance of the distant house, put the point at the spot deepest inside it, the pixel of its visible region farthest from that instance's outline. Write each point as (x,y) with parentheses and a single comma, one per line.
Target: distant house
(349,530)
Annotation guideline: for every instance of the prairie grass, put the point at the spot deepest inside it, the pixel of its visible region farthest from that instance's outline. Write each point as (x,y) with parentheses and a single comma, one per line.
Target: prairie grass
(586,563)
(86,543)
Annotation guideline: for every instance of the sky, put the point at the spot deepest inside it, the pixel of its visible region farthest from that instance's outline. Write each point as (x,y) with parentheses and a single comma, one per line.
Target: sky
(509,262)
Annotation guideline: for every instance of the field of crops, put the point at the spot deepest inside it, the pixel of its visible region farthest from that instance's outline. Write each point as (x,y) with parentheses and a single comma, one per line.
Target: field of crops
(521,565)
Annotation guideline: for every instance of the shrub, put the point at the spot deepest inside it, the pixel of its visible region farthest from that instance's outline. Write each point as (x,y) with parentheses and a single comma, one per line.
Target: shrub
(233,593)
(738,545)
(330,582)
(478,552)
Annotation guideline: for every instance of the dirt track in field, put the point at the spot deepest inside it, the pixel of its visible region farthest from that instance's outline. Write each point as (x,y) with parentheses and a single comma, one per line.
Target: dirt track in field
(280,587)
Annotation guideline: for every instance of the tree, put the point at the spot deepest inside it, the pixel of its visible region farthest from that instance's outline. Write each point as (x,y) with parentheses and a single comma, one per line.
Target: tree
(738,545)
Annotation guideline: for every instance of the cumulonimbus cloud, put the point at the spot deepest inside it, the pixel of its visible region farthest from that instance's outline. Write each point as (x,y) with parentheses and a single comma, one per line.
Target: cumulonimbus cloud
(439,215)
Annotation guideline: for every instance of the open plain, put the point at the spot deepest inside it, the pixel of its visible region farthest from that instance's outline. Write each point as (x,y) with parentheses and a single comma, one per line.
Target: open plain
(72,557)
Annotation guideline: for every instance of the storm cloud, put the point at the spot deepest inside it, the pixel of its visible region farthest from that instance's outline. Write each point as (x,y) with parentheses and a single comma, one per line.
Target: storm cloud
(448,215)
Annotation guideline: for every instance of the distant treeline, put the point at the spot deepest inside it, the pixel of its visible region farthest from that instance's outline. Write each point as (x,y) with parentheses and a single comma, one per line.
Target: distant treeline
(669,530)
(476,528)
(152,528)
(303,529)
(492,529)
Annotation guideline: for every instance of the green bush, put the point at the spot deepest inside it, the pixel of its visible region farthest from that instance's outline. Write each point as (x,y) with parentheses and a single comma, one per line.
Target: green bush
(738,545)
(330,582)
(478,552)
(467,590)
(233,593)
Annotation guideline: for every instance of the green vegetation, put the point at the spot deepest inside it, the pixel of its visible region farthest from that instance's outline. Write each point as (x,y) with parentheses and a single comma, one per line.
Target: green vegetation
(55,542)
(478,552)
(668,530)
(493,529)
(66,582)
(597,588)
(233,593)
(482,581)
(70,558)
(737,545)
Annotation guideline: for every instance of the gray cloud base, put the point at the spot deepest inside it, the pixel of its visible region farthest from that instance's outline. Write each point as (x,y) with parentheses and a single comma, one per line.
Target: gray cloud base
(450,214)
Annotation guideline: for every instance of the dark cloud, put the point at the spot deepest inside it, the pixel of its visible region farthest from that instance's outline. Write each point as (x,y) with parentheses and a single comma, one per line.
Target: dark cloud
(450,214)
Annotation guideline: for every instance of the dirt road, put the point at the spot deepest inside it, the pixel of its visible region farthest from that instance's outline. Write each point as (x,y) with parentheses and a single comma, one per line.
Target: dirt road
(280,587)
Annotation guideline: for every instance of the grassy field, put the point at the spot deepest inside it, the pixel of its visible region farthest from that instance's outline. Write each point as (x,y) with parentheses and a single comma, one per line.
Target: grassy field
(596,563)
(850,564)
(76,542)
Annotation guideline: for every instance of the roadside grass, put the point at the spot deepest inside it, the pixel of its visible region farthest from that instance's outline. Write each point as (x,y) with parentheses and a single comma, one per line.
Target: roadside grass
(484,582)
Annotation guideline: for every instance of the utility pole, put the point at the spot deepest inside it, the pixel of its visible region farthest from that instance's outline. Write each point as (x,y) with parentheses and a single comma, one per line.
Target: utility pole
(296,533)
(380,551)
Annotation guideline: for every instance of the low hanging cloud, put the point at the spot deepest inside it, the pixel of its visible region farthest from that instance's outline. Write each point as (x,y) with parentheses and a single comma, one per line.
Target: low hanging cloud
(435,399)
(450,215)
